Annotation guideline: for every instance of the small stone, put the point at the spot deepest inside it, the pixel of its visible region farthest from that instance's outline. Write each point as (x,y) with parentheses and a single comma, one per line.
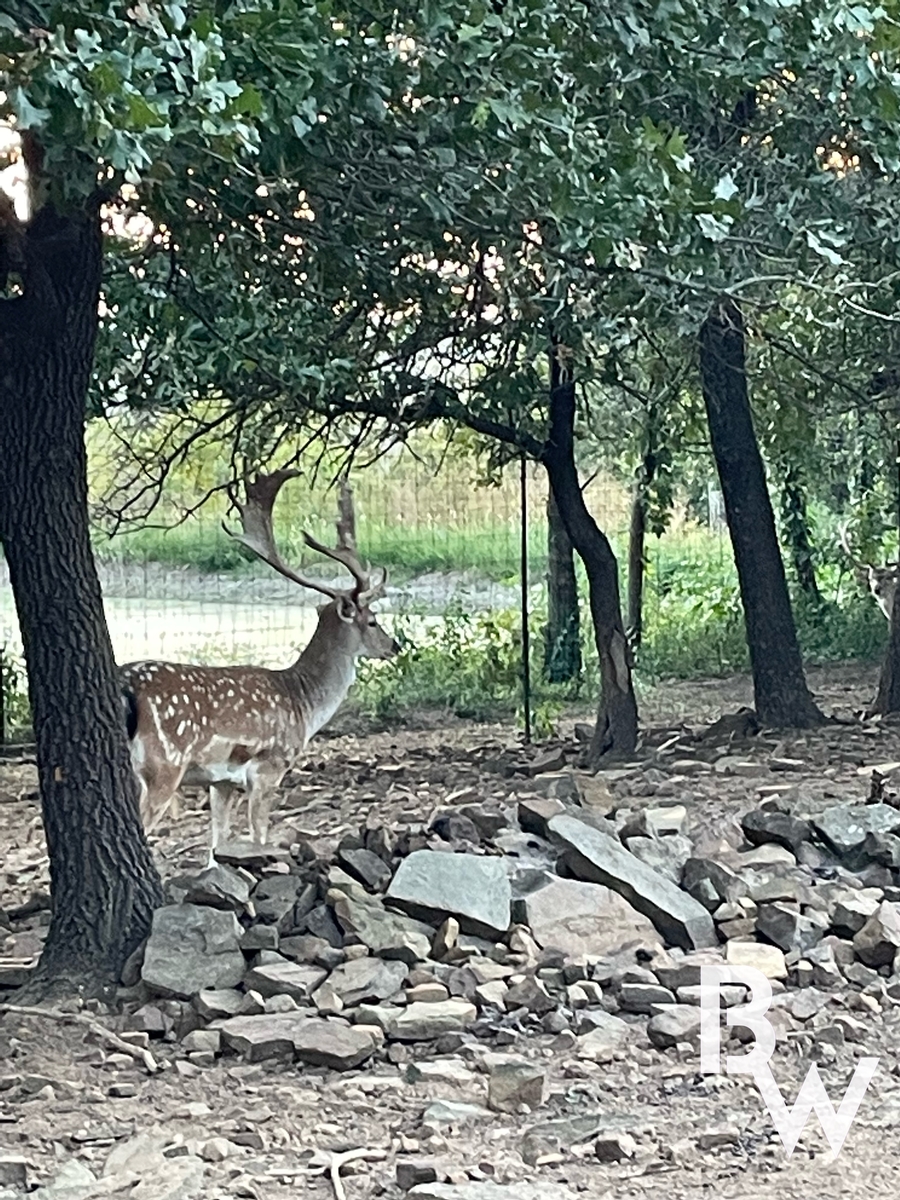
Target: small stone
(530,994)
(423,1022)
(446,1112)
(609,1033)
(715,1139)
(676,1023)
(207,1040)
(640,997)
(371,871)
(769,825)
(366,979)
(445,939)
(218,887)
(846,826)
(615,1147)
(853,910)
(879,939)
(535,814)
(217,1002)
(514,1085)
(789,929)
(492,994)
(410,1172)
(767,959)
(150,1019)
(387,934)
(216,1150)
(427,993)
(14,1171)
(297,980)
(122,1091)
(260,937)
(282,1003)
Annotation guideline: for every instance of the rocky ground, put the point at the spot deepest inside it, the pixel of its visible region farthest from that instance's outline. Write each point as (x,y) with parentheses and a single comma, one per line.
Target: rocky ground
(467,971)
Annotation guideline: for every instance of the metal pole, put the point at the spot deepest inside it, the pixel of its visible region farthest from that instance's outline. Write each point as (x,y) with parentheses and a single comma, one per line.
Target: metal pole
(526,640)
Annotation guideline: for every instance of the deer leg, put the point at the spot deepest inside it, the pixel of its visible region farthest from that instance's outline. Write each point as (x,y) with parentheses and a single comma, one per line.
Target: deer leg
(260,795)
(159,783)
(221,809)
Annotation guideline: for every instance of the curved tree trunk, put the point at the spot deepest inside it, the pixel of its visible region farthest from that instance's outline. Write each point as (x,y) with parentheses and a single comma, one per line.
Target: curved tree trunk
(562,635)
(636,562)
(104,884)
(782,697)
(616,729)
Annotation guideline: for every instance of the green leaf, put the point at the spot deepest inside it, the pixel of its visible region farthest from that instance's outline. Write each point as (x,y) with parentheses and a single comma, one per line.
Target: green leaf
(28,115)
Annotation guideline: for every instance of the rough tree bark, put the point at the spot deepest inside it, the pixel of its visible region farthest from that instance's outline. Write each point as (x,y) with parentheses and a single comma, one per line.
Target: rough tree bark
(104,884)
(636,539)
(781,695)
(616,729)
(562,635)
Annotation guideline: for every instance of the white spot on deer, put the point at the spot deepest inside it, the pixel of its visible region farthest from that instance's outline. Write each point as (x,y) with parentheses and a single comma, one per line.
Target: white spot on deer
(181,728)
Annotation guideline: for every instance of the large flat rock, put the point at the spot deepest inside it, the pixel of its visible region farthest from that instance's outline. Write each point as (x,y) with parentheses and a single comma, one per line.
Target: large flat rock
(585,918)
(286,1036)
(192,948)
(846,826)
(597,857)
(435,884)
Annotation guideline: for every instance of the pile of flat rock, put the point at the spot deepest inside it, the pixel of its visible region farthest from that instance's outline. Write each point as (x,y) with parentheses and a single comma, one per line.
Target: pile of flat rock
(536,916)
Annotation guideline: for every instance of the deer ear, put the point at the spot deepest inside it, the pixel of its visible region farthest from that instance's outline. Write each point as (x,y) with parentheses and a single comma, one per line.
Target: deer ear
(346,609)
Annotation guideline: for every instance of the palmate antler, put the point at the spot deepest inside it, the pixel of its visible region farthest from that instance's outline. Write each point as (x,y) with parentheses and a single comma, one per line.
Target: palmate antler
(258,537)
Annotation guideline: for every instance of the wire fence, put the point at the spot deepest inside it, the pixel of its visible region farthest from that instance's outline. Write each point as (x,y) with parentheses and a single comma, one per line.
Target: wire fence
(186,593)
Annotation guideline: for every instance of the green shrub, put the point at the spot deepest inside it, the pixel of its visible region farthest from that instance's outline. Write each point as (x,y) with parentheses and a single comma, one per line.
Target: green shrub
(16,709)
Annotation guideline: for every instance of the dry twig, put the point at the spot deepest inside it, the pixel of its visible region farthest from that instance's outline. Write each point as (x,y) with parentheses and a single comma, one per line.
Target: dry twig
(99,1031)
(325,1162)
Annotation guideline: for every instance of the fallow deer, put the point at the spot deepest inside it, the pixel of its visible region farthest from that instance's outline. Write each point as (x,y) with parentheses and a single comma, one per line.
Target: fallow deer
(244,727)
(881,581)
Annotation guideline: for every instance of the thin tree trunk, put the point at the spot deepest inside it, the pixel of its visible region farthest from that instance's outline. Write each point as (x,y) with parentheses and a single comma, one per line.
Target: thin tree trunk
(795,524)
(104,885)
(616,730)
(782,697)
(888,698)
(636,536)
(562,636)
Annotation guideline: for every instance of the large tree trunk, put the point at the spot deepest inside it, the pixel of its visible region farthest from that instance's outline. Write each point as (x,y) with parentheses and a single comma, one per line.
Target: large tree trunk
(616,729)
(104,884)
(636,560)
(782,697)
(562,636)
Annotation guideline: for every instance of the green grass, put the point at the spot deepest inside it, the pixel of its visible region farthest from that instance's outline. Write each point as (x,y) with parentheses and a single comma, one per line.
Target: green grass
(470,664)
(406,552)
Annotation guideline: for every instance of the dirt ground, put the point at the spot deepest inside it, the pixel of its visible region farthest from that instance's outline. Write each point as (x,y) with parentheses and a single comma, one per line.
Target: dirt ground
(63,1096)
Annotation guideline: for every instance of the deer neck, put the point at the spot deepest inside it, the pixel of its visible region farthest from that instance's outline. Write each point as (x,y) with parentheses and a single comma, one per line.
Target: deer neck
(325,671)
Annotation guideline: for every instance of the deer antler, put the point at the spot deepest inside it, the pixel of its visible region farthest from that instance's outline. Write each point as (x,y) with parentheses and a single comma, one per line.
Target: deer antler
(345,550)
(256,522)
(258,537)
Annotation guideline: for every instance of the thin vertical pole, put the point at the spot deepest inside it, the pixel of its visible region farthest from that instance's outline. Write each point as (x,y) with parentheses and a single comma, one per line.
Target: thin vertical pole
(526,640)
